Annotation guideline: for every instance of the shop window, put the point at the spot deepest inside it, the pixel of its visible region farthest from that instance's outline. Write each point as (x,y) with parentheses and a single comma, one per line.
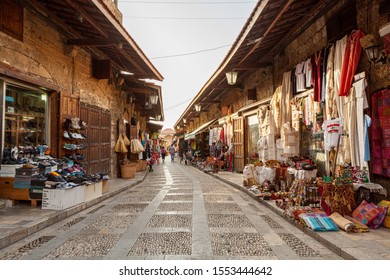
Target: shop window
(341,23)
(11,18)
(252,138)
(25,111)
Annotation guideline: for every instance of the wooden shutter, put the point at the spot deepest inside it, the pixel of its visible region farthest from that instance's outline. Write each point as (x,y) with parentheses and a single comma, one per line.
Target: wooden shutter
(238,143)
(11,18)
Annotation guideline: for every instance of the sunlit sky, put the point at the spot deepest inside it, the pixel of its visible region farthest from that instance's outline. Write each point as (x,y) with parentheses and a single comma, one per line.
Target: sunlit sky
(186,40)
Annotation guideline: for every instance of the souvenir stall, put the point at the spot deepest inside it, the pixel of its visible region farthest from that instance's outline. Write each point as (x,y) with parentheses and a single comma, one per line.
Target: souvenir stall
(314,147)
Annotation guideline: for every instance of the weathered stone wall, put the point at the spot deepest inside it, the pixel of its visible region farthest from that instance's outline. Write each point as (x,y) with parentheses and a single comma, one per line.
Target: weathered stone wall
(261,80)
(42,55)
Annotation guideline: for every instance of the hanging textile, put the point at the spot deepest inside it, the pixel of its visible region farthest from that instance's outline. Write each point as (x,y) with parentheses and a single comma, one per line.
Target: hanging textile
(275,105)
(330,101)
(316,68)
(332,132)
(266,143)
(290,141)
(367,124)
(355,103)
(285,97)
(308,71)
(380,132)
(300,77)
(324,63)
(337,66)
(350,61)
(296,111)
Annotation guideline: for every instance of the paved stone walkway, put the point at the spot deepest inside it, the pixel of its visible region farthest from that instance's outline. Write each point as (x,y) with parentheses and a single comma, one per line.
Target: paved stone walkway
(177,212)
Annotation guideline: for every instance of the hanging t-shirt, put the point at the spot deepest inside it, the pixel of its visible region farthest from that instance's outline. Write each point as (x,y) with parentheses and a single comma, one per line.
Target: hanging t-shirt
(333,130)
(300,77)
(308,73)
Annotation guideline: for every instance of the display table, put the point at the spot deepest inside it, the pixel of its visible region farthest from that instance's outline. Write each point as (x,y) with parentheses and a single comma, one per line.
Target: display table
(93,191)
(59,199)
(7,191)
(56,199)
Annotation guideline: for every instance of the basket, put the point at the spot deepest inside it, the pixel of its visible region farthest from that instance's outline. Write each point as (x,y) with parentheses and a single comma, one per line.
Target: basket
(128,170)
(143,165)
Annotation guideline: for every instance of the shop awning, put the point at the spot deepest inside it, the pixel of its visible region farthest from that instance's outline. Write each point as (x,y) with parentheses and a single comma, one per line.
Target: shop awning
(200,129)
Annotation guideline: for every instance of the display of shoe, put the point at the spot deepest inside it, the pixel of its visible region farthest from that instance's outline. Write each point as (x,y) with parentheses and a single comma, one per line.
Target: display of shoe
(66,134)
(75,123)
(82,124)
(67,124)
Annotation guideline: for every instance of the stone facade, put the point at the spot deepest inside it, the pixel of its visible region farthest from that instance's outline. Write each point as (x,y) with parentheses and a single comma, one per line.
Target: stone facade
(43,56)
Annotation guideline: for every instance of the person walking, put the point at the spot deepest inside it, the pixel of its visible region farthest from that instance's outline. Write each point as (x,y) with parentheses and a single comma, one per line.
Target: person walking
(163,153)
(172,152)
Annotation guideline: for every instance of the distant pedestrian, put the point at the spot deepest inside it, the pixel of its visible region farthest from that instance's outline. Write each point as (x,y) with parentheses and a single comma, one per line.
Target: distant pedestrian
(163,153)
(172,152)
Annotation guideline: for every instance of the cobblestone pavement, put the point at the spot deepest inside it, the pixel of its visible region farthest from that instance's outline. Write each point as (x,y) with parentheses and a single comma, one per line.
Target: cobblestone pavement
(178,212)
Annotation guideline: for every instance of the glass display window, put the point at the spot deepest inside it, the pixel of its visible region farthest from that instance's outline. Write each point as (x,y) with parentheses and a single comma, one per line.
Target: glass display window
(24,116)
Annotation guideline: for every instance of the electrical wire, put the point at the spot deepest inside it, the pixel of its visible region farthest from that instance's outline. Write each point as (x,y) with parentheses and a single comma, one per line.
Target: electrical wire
(192,53)
(177,105)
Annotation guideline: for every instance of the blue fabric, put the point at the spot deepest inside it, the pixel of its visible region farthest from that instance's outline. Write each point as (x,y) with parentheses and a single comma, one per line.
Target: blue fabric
(367,124)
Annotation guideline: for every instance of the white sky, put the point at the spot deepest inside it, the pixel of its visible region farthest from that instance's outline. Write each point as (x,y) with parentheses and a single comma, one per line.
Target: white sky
(158,36)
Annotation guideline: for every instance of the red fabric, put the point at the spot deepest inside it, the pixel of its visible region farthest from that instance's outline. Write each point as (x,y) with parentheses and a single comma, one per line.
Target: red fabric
(316,70)
(222,135)
(350,62)
(380,132)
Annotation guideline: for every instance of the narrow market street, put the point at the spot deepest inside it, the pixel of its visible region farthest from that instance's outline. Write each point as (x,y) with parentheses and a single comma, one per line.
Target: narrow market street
(177,212)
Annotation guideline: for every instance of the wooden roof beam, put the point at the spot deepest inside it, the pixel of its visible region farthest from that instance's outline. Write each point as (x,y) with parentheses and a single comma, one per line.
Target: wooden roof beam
(85,16)
(91,42)
(273,23)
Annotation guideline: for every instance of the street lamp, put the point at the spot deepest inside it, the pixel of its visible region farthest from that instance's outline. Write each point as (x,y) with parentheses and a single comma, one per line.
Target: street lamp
(153,99)
(231,77)
(198,107)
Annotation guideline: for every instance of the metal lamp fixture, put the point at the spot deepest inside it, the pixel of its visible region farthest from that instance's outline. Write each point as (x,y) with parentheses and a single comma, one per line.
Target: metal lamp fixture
(198,107)
(131,98)
(231,77)
(153,99)
(158,117)
(373,53)
(184,120)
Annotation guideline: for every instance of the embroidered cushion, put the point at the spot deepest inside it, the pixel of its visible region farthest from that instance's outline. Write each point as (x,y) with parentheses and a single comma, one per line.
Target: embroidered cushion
(365,213)
(378,221)
(386,223)
(385,203)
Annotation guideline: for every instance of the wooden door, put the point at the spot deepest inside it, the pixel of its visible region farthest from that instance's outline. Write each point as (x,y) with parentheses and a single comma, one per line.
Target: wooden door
(238,144)
(98,152)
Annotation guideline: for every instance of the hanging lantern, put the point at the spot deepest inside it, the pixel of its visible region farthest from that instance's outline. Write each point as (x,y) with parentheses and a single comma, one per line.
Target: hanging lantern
(153,99)
(231,77)
(198,107)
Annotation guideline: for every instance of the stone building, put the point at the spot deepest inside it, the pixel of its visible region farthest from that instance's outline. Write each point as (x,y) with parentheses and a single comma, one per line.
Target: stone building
(276,38)
(63,60)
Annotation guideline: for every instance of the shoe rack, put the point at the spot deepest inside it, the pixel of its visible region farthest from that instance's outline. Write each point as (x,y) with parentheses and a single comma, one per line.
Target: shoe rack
(70,109)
